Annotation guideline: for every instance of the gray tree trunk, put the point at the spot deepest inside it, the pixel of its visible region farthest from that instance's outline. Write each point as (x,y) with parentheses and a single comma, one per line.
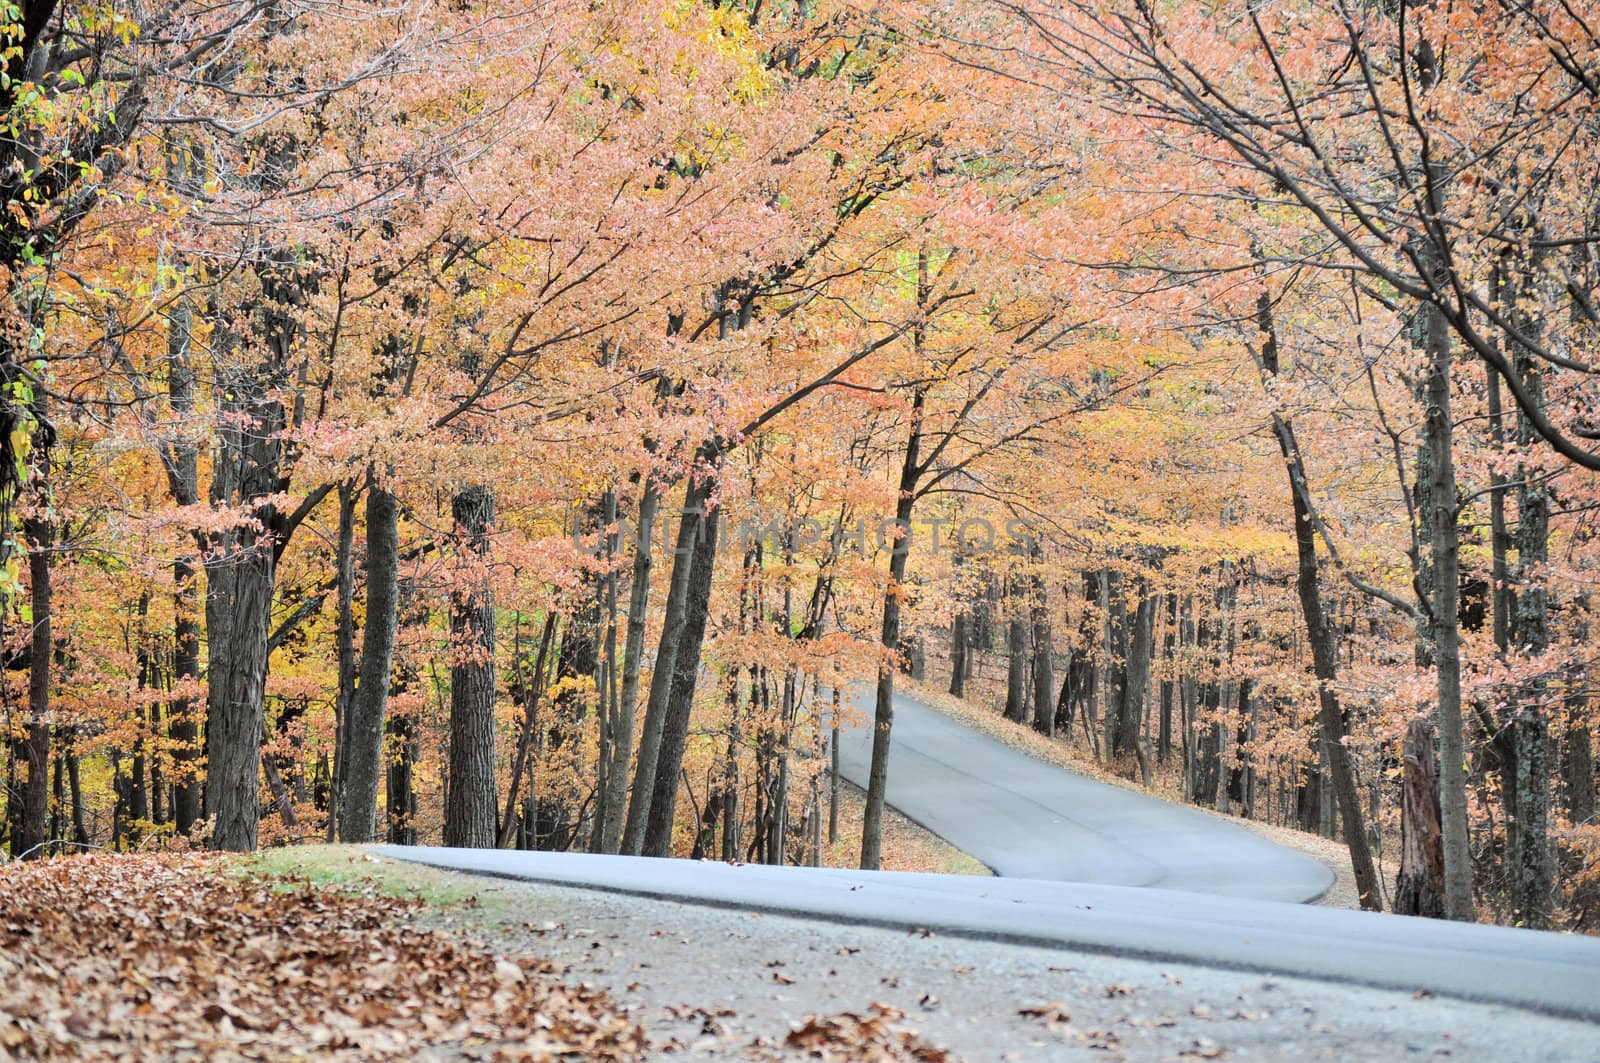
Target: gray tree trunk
(1017,664)
(616,794)
(958,656)
(1443,535)
(684,681)
(470,801)
(345,653)
(1188,693)
(1530,855)
(39,536)
(182,460)
(363,762)
(1136,674)
(1577,753)
(241,576)
(530,694)
(1044,707)
(883,707)
(696,492)
(400,799)
(1169,639)
(833,767)
(1334,726)
(1577,764)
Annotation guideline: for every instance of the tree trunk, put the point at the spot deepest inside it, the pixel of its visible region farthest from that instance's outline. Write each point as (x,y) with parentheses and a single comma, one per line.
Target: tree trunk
(282,799)
(158,780)
(1224,743)
(400,797)
(958,657)
(1577,768)
(1239,775)
(883,707)
(833,769)
(1530,856)
(345,655)
(138,791)
(80,831)
(1444,536)
(1044,708)
(1500,538)
(695,496)
(614,743)
(183,478)
(240,578)
(368,708)
(1017,664)
(470,804)
(779,842)
(616,796)
(1188,690)
(1319,635)
(58,800)
(1115,685)
(1206,700)
(1577,755)
(1136,668)
(400,803)
(684,679)
(1419,887)
(36,796)
(555,822)
(530,696)
(1168,685)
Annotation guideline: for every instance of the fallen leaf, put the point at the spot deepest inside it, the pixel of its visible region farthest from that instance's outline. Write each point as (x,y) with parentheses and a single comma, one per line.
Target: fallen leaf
(854,1036)
(1054,1012)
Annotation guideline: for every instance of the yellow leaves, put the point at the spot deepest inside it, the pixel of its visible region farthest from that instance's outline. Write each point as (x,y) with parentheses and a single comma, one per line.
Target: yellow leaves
(107,19)
(728,31)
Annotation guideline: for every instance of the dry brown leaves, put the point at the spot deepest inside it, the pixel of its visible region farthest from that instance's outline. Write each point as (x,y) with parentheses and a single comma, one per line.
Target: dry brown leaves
(874,1037)
(165,956)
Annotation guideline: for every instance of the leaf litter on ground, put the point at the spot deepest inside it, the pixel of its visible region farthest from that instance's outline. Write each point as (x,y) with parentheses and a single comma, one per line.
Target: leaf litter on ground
(873,1036)
(169,956)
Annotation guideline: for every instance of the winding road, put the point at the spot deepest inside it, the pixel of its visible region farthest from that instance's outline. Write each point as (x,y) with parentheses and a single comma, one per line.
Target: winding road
(1092,867)
(1025,818)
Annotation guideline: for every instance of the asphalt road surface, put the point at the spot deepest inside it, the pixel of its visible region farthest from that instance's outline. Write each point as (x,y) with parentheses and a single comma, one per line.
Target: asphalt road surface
(1025,818)
(1092,868)
(1554,973)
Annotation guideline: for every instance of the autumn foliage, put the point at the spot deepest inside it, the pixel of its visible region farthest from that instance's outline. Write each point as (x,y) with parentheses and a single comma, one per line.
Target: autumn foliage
(509,425)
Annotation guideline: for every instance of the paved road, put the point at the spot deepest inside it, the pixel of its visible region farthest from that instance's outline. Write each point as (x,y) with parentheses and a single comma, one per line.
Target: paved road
(1553,973)
(1025,818)
(1096,868)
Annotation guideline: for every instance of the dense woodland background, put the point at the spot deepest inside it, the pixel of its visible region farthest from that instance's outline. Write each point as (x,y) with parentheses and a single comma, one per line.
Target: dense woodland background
(477,424)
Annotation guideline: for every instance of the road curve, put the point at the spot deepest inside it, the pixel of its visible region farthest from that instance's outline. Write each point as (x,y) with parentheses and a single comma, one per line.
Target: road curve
(1541,971)
(1025,818)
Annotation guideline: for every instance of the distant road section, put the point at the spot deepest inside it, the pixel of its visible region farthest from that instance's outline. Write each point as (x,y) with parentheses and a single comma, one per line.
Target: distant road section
(1026,818)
